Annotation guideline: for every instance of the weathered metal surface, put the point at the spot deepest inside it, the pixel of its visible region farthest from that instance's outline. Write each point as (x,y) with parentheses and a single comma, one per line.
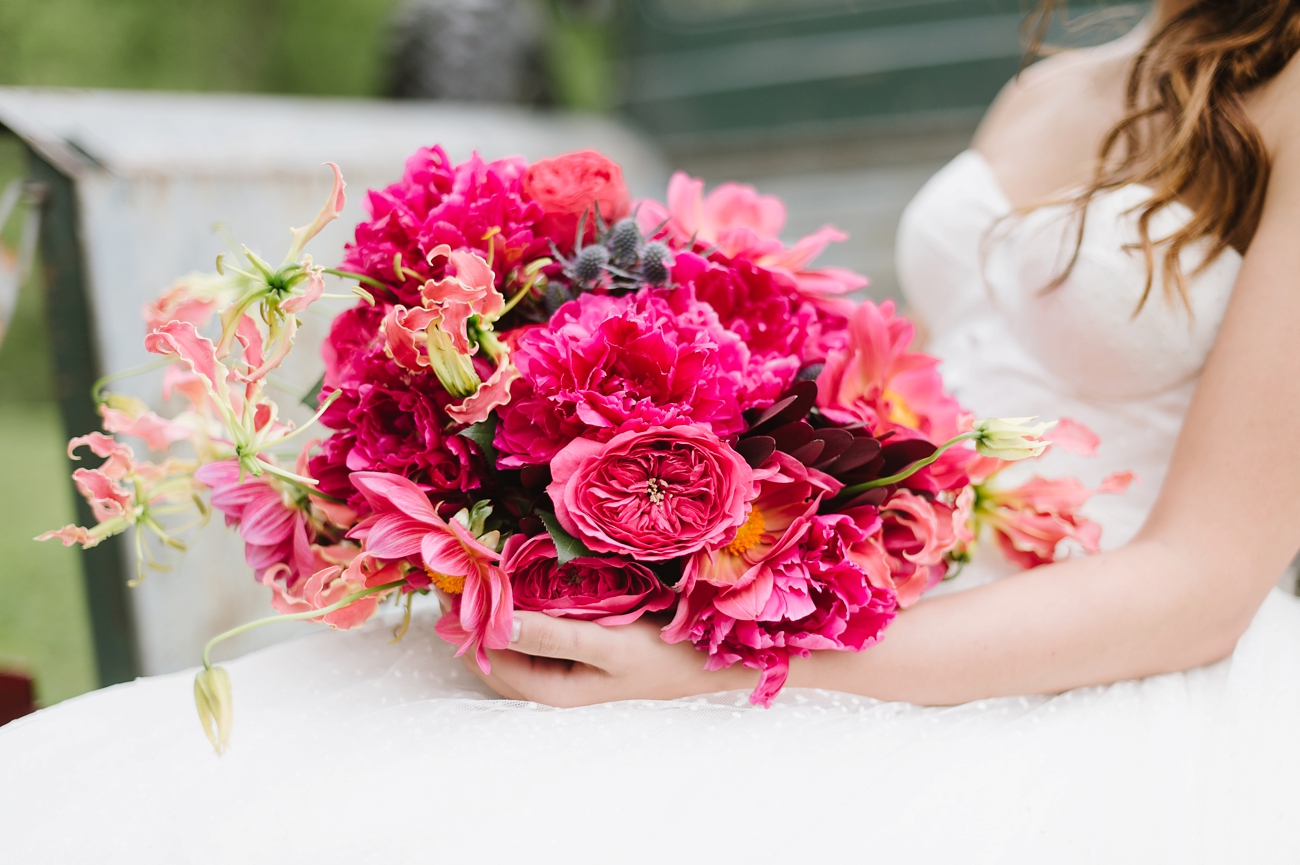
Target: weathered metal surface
(153,173)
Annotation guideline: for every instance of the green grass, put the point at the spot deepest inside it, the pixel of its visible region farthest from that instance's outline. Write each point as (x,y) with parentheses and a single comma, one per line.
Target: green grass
(44,626)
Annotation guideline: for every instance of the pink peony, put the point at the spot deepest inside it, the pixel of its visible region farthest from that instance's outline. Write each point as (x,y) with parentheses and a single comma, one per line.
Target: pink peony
(877,380)
(569,186)
(1031,520)
(602,362)
(471,206)
(387,419)
(653,494)
(809,594)
(607,591)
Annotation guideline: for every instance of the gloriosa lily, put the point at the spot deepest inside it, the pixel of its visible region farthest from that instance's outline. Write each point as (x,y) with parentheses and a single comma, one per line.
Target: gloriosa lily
(231,416)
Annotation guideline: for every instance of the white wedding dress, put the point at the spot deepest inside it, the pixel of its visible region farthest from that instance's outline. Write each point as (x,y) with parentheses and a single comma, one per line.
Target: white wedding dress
(347,748)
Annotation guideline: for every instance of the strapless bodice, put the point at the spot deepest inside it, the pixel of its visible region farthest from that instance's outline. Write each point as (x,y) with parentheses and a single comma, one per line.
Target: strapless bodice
(975,274)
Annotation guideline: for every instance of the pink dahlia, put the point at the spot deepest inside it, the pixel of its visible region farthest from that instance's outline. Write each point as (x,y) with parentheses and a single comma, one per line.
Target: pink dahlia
(807,595)
(741,223)
(601,589)
(476,205)
(788,496)
(652,358)
(386,419)
(878,380)
(404,526)
(653,494)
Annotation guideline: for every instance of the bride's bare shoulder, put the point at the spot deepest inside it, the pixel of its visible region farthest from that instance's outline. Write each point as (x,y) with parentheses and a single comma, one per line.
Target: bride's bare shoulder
(1275,108)
(1043,131)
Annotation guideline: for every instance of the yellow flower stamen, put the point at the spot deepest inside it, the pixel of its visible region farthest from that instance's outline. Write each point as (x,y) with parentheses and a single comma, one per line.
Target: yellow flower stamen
(899,412)
(748,536)
(448,583)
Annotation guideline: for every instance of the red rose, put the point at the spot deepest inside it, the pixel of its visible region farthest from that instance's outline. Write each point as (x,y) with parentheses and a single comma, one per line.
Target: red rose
(607,591)
(568,186)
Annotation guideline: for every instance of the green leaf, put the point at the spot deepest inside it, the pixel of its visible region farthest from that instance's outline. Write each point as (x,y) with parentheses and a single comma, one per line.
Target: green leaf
(567,547)
(482,434)
(311,398)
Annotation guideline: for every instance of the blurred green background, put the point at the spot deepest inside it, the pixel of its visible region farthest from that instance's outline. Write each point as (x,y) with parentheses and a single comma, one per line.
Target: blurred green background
(323,47)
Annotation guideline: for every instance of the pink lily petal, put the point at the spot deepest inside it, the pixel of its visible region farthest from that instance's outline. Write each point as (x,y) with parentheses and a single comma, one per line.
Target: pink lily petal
(491,394)
(1073,437)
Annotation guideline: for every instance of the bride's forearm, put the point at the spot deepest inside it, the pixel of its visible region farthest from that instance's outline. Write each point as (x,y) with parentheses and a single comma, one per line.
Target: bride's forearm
(1135,612)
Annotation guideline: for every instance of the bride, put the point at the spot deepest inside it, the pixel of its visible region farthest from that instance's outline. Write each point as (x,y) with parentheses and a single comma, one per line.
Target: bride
(1119,246)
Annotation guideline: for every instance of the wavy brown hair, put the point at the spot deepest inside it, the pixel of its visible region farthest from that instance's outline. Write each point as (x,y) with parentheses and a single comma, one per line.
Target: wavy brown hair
(1185,129)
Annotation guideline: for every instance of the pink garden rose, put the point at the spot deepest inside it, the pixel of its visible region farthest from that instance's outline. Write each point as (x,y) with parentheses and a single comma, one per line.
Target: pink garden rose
(603,362)
(654,493)
(568,186)
(808,594)
(607,591)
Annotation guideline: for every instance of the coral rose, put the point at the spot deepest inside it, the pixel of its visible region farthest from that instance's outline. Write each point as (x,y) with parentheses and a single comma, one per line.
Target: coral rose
(607,591)
(652,494)
(568,186)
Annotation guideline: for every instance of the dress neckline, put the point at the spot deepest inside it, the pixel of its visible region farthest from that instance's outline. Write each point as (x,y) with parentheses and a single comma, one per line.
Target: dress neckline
(996,186)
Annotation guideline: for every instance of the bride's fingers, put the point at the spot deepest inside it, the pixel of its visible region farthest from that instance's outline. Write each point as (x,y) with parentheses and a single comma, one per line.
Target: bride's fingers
(492,680)
(543,636)
(541,680)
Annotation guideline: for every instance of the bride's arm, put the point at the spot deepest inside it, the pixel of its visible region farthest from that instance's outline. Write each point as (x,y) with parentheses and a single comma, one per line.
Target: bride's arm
(1179,595)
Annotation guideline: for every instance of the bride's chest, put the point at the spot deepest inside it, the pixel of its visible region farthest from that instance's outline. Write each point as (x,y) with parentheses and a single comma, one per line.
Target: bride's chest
(962,259)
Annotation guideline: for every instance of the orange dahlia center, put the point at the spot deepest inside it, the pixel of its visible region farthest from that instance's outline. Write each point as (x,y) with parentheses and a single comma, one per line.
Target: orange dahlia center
(899,412)
(449,584)
(748,535)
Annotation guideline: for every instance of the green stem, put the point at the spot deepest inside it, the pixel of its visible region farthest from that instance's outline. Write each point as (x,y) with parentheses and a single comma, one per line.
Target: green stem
(519,295)
(359,277)
(905,473)
(96,390)
(293,617)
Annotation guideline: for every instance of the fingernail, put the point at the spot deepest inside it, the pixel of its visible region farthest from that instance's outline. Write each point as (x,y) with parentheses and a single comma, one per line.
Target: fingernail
(515,628)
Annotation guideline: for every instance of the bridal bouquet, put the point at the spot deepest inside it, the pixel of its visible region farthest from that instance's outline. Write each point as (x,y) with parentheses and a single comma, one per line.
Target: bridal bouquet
(550,397)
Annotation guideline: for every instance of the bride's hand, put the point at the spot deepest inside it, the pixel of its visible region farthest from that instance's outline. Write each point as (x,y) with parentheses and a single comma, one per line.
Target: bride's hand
(562,662)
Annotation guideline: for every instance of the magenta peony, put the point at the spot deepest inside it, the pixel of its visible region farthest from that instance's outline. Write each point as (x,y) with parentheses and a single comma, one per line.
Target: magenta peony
(608,591)
(605,362)
(387,419)
(474,205)
(653,494)
(808,594)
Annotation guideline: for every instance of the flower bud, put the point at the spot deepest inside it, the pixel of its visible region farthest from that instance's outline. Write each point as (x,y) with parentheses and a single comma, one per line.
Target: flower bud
(1011,438)
(216,711)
